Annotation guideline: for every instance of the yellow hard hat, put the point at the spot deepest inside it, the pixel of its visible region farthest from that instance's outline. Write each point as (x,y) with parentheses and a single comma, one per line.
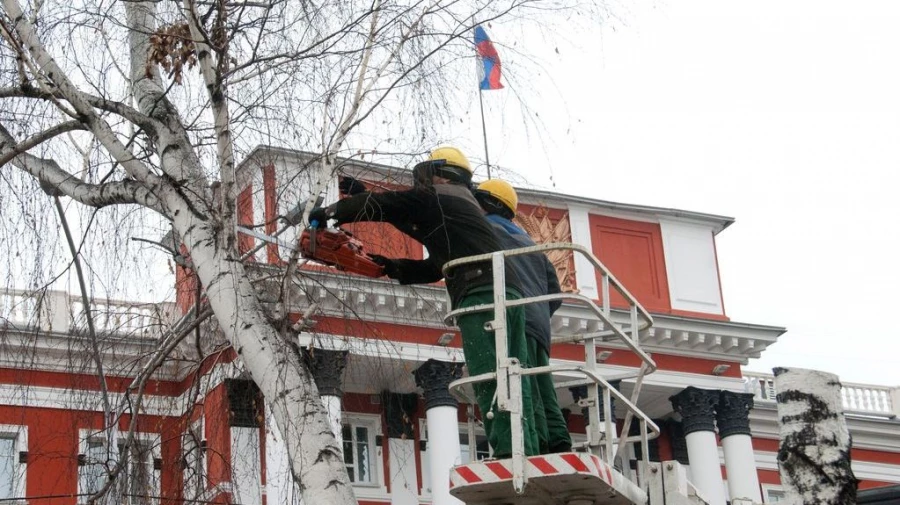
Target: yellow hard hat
(452,157)
(503,191)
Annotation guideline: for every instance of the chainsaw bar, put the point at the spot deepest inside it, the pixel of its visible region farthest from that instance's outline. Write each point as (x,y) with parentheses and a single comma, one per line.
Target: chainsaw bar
(338,248)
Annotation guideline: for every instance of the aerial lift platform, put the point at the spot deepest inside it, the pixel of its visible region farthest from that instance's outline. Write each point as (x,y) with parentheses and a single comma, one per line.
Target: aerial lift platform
(590,477)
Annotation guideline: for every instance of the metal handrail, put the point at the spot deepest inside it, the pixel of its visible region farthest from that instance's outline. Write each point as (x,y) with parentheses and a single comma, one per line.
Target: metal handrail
(509,371)
(608,277)
(606,319)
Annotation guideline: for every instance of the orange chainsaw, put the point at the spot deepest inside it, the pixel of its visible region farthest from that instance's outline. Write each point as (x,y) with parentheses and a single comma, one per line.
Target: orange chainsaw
(338,248)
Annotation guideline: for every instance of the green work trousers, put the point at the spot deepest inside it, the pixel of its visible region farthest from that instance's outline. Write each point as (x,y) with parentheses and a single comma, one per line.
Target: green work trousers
(553,433)
(480,352)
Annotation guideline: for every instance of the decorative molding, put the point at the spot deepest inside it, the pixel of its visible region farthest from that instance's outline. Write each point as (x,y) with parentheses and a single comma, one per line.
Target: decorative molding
(545,230)
(327,367)
(697,408)
(733,413)
(434,377)
(380,301)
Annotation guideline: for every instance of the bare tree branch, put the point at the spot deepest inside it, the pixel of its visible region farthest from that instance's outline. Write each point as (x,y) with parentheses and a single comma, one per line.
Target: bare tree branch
(36,140)
(51,69)
(51,175)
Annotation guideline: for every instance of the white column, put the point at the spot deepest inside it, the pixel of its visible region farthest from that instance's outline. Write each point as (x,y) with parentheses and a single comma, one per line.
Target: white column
(443,452)
(443,427)
(697,409)
(743,481)
(705,467)
(733,420)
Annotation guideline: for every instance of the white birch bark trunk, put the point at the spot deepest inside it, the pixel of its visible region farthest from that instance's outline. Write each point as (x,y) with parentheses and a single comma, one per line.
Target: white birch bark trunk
(814,452)
(290,391)
(184,196)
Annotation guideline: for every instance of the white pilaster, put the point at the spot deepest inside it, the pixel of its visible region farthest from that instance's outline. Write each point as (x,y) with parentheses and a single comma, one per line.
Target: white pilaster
(246,480)
(402,468)
(585,276)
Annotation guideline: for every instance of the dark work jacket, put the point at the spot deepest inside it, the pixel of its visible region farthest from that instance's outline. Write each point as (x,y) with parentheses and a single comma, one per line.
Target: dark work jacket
(447,220)
(537,275)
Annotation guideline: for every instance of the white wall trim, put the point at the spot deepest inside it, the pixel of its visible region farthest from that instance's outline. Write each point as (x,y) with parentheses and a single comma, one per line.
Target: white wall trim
(580,226)
(89,400)
(866,470)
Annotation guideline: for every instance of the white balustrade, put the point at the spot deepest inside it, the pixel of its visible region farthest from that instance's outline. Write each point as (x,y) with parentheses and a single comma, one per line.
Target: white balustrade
(60,312)
(865,399)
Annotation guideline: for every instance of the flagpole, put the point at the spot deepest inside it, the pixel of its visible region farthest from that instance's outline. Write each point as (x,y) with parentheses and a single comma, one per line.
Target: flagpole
(487,159)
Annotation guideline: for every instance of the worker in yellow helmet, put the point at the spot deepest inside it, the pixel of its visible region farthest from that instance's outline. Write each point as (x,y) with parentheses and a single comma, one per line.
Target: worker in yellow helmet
(538,277)
(441,212)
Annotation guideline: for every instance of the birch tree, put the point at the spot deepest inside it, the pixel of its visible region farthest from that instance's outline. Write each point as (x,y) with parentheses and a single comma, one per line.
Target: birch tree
(147,105)
(814,453)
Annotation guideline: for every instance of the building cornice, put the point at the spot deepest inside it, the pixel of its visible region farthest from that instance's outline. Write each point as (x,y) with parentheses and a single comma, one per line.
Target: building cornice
(717,223)
(370,301)
(879,434)
(387,302)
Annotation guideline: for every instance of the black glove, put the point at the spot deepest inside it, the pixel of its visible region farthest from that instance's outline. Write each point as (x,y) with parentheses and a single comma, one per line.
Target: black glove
(391,267)
(318,217)
(350,186)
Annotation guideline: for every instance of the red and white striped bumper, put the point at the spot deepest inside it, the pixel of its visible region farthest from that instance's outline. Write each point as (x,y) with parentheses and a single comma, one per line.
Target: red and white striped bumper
(564,477)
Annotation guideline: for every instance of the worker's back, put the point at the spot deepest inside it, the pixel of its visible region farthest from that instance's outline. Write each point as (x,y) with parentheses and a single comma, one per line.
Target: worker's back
(446,219)
(536,274)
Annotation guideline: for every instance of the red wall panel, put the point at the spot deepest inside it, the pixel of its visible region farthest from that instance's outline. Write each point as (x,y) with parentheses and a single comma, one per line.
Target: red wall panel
(382,238)
(633,252)
(245,218)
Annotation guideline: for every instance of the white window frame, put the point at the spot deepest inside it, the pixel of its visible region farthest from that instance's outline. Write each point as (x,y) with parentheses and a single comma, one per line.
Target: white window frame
(197,427)
(19,434)
(151,440)
(479,430)
(767,488)
(375,488)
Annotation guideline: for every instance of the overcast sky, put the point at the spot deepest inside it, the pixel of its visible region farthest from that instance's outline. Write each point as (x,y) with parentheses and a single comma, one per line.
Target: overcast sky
(784,115)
